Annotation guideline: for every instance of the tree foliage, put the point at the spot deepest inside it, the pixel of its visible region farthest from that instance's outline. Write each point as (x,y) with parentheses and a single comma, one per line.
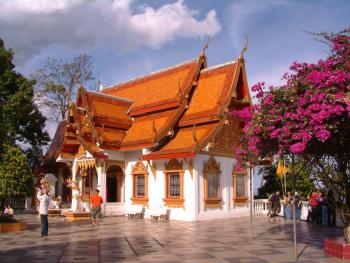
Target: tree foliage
(57,84)
(309,117)
(15,175)
(304,183)
(21,122)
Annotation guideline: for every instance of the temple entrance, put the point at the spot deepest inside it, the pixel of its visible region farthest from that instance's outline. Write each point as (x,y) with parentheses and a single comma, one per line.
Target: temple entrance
(87,179)
(115,184)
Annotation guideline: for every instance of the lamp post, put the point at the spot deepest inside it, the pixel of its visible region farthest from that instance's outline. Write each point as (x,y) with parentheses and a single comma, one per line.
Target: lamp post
(251,201)
(293,206)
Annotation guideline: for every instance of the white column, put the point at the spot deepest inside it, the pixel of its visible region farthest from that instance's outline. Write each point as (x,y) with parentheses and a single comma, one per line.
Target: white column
(75,188)
(101,182)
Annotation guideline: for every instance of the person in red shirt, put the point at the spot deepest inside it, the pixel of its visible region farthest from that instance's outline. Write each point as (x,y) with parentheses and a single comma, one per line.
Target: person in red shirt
(314,205)
(96,201)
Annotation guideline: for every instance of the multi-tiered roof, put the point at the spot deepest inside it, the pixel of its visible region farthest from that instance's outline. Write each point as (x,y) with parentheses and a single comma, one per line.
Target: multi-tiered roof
(175,112)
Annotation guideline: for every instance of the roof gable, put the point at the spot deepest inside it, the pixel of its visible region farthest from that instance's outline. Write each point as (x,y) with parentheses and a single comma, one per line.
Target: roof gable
(159,90)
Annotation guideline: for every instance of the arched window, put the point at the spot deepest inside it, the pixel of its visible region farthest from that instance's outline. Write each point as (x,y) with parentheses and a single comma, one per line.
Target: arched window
(239,179)
(174,184)
(140,183)
(211,175)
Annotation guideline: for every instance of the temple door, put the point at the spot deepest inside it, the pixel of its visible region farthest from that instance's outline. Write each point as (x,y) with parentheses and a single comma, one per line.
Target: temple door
(115,184)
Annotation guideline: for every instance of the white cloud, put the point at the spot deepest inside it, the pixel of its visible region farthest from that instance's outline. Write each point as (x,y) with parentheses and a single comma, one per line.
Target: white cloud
(31,26)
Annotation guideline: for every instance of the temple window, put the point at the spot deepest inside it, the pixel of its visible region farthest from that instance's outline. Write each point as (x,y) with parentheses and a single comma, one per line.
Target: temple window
(140,183)
(174,184)
(239,187)
(211,176)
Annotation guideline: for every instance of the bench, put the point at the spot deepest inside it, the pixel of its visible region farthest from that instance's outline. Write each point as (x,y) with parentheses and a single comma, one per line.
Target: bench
(135,211)
(159,213)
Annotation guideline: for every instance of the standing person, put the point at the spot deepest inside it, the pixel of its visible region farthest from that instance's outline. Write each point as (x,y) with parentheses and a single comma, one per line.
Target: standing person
(276,204)
(314,205)
(325,209)
(319,199)
(309,208)
(298,205)
(44,201)
(270,204)
(96,202)
(287,206)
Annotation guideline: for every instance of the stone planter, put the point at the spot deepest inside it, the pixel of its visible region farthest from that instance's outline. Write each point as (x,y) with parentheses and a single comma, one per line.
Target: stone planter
(12,227)
(347,228)
(337,248)
(77,216)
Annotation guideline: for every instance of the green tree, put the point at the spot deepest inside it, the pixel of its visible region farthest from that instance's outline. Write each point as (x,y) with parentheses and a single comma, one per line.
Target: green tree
(21,122)
(57,84)
(21,130)
(303,183)
(15,175)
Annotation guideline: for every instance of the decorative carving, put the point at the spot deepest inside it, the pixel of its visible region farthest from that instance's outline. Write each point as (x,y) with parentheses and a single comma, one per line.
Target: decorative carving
(85,164)
(139,168)
(225,140)
(189,163)
(88,117)
(211,165)
(245,47)
(153,167)
(173,165)
(119,163)
(81,152)
(205,46)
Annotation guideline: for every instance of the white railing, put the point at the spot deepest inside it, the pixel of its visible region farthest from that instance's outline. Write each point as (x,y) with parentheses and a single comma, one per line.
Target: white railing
(261,206)
(18,203)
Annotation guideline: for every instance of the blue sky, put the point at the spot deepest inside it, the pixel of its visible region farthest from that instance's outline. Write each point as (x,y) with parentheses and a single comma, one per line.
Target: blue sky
(129,38)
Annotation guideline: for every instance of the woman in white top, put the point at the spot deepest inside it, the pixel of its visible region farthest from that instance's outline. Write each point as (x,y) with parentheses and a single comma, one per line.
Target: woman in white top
(44,201)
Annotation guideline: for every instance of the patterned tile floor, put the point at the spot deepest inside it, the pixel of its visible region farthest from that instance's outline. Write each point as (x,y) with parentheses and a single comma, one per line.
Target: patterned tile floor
(119,239)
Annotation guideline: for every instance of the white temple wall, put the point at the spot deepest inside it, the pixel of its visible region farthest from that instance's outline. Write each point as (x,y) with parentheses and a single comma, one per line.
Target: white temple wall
(194,208)
(226,188)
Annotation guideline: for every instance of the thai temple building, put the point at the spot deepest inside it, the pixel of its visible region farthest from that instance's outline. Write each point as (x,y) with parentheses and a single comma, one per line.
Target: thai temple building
(161,141)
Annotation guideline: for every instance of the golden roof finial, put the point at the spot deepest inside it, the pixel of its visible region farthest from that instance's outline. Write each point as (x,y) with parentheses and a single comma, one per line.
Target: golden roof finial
(245,47)
(205,46)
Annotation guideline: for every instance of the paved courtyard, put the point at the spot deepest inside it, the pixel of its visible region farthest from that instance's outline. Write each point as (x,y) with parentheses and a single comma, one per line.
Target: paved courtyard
(119,239)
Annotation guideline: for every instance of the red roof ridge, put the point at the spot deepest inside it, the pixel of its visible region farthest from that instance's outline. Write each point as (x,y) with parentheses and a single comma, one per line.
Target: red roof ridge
(115,98)
(219,66)
(115,86)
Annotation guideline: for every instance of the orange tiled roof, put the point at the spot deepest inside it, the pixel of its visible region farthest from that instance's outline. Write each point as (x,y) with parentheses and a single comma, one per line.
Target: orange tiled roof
(146,128)
(213,88)
(158,90)
(184,140)
(107,110)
